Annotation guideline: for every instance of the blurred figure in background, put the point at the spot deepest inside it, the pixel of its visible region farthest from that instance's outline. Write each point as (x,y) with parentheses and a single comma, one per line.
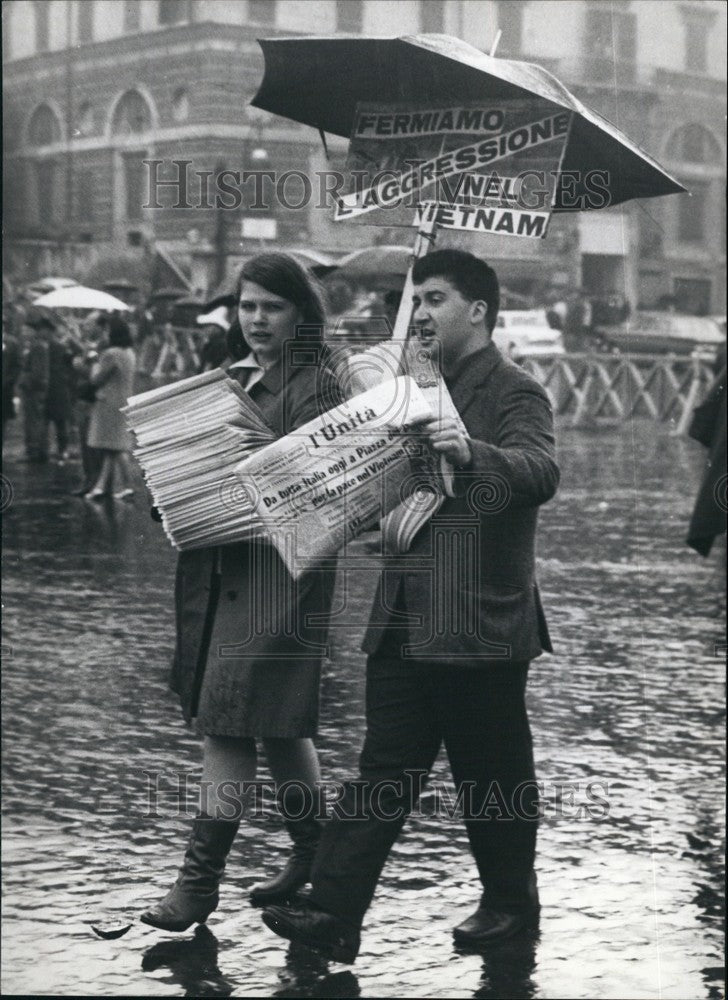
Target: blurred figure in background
(84,395)
(171,362)
(61,379)
(577,322)
(33,383)
(11,371)
(556,309)
(213,337)
(148,351)
(708,426)
(113,379)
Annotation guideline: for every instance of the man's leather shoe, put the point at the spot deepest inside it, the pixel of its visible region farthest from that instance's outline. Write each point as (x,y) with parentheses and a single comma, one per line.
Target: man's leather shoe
(487,925)
(305,924)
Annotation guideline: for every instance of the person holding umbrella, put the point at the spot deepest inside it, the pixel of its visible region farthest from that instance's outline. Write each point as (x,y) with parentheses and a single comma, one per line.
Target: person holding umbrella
(462,683)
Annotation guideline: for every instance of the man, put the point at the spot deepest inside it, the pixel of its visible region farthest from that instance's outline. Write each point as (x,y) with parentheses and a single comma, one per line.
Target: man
(455,623)
(33,383)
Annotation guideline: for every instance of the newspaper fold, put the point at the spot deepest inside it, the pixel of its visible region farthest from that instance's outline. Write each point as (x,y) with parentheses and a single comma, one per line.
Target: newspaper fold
(339,474)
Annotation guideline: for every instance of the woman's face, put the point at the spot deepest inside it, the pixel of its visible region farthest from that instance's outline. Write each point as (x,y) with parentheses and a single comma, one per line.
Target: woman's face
(267,321)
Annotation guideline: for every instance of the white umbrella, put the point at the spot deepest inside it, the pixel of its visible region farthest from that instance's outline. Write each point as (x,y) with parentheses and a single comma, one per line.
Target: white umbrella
(80,297)
(218,317)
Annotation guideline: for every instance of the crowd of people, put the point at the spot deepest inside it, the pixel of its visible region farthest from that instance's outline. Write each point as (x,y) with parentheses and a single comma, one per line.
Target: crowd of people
(67,376)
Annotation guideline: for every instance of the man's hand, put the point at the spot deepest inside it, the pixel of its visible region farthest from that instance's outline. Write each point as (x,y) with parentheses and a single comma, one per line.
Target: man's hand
(446,439)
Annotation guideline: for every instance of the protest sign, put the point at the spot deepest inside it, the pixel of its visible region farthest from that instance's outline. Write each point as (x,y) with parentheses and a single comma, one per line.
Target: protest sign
(500,160)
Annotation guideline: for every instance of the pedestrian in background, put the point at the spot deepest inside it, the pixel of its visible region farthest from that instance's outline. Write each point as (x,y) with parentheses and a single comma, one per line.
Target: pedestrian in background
(113,380)
(84,393)
(59,401)
(708,426)
(11,371)
(33,383)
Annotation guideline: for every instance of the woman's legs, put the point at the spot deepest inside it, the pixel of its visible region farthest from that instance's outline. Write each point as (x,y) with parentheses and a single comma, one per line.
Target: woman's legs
(295,767)
(104,482)
(293,760)
(227,761)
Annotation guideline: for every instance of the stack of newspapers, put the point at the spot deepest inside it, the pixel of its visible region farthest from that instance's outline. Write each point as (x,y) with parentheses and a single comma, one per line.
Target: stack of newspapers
(189,437)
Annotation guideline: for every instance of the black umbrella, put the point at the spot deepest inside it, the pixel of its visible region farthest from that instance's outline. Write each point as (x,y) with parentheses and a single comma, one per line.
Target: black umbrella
(320,81)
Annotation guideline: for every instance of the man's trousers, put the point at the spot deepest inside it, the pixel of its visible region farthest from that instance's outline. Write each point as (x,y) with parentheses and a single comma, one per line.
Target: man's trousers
(479,712)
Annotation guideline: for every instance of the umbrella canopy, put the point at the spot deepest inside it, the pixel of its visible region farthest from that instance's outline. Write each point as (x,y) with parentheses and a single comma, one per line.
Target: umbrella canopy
(167,293)
(312,259)
(80,297)
(320,81)
(376,261)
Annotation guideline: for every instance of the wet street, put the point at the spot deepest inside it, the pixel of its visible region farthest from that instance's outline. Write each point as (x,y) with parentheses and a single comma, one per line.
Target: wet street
(628,729)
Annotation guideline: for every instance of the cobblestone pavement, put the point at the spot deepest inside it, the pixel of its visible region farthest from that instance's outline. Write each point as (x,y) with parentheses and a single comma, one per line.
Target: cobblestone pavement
(628,727)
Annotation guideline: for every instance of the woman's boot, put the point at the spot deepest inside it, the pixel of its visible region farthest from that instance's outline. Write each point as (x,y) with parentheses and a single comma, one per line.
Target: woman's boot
(194,895)
(305,834)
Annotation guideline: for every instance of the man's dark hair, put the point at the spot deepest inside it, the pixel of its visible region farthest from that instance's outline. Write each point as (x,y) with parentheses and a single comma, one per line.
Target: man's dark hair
(473,278)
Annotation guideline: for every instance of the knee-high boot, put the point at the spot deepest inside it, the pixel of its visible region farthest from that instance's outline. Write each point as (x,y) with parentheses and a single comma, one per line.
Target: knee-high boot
(195,895)
(305,833)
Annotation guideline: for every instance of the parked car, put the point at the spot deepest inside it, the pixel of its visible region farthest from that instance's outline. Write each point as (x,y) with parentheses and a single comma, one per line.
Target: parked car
(649,332)
(523,333)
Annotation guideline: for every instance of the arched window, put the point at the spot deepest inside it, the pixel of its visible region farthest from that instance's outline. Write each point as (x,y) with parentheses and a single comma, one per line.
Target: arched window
(696,157)
(43,129)
(132,115)
(132,118)
(693,143)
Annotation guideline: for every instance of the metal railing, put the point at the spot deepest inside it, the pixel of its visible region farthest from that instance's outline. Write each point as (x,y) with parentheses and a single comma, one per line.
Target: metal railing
(611,388)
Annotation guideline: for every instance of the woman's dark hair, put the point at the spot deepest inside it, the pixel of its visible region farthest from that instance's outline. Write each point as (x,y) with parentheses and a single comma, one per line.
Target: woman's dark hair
(281,274)
(119,333)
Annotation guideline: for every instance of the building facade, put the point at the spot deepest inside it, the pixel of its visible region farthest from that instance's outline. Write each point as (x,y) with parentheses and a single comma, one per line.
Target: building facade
(102,97)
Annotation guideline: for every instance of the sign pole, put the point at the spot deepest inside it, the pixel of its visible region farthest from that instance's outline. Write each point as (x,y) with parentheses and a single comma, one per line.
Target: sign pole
(366,370)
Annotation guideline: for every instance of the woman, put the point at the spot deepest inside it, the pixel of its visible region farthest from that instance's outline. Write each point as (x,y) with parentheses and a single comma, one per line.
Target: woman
(113,380)
(247,662)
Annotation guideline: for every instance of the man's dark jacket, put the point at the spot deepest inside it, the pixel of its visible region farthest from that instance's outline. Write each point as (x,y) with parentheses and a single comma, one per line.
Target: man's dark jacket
(466,590)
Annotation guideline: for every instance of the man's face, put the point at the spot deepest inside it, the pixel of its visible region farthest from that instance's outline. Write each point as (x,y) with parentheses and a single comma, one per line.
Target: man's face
(444,320)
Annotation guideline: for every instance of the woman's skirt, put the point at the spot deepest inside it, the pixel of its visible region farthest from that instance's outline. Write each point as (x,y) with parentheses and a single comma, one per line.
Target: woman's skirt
(107,427)
(263,664)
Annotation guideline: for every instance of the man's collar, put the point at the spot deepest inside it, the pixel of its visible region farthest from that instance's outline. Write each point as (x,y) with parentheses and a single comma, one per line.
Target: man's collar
(472,371)
(486,355)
